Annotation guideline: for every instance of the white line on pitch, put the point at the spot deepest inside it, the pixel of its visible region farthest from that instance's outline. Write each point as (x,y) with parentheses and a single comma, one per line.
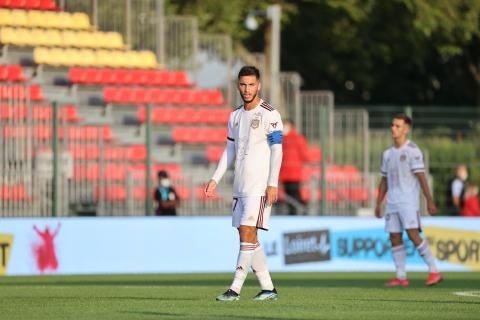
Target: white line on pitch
(467,293)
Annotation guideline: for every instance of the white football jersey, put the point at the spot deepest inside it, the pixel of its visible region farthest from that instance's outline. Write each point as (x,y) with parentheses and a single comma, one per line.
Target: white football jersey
(399,165)
(249,130)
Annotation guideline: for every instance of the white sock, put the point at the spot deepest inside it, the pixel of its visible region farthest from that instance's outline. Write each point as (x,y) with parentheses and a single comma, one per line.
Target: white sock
(426,253)
(260,268)
(399,255)
(243,264)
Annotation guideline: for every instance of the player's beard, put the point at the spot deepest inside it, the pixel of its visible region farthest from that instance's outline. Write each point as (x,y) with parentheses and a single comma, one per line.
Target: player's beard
(253,98)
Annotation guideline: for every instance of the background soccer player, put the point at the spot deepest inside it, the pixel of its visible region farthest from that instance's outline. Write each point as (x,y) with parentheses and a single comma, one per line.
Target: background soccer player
(254,142)
(403,174)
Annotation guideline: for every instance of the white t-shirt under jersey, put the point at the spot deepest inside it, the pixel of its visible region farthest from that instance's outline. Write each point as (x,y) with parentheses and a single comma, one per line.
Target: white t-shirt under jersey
(399,165)
(249,130)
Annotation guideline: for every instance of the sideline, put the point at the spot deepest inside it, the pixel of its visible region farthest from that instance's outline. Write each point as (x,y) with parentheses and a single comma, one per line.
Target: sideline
(475,294)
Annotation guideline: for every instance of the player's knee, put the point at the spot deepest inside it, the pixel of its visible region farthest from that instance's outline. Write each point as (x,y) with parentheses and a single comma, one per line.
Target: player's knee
(396,239)
(414,236)
(248,234)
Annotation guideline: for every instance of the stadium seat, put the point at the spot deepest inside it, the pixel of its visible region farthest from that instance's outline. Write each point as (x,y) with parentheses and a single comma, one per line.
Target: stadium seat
(13,73)
(214,153)
(315,154)
(199,135)
(18,92)
(112,192)
(65,38)
(155,95)
(89,57)
(137,152)
(29,4)
(16,192)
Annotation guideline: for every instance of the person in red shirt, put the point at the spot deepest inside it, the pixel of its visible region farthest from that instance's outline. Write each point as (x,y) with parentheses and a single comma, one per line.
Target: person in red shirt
(295,154)
(471,206)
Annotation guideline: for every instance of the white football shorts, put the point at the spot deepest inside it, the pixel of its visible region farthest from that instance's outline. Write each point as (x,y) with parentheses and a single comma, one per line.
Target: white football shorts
(251,211)
(403,219)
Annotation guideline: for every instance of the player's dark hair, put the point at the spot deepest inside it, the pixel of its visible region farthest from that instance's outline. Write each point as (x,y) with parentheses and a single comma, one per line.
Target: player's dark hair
(249,71)
(405,118)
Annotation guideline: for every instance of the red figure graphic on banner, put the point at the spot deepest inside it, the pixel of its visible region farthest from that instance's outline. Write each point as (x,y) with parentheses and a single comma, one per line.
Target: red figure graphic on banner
(45,252)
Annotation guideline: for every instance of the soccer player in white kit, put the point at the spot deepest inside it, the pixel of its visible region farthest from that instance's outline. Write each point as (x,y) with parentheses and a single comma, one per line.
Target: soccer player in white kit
(403,174)
(254,144)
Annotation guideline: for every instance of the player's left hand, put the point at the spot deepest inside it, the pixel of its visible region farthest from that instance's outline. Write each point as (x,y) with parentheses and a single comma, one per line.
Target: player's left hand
(272,195)
(431,208)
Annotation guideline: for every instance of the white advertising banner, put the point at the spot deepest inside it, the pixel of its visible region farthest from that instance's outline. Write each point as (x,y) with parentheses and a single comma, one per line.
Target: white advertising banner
(209,244)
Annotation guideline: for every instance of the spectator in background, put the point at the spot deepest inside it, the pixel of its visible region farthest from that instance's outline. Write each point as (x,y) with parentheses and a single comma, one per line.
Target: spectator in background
(295,154)
(456,191)
(166,196)
(471,206)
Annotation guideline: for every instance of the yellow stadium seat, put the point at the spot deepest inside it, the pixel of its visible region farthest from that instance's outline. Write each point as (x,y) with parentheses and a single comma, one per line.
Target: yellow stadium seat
(38,37)
(114,40)
(87,58)
(80,21)
(54,37)
(35,18)
(148,59)
(23,37)
(102,58)
(19,18)
(69,38)
(88,39)
(5,17)
(55,56)
(7,35)
(51,19)
(41,55)
(65,20)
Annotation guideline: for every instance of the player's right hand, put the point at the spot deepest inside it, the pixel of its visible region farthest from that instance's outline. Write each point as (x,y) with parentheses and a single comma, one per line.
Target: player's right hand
(378,212)
(210,188)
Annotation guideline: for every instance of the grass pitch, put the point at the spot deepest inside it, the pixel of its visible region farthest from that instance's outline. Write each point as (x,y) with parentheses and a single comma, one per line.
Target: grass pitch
(192,296)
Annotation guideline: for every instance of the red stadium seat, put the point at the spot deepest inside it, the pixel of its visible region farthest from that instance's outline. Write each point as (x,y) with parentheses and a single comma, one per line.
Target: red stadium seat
(76,75)
(16,192)
(29,4)
(137,152)
(15,73)
(315,154)
(112,192)
(214,153)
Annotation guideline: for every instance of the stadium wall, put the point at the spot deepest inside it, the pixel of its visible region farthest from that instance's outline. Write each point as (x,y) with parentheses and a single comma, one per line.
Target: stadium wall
(209,244)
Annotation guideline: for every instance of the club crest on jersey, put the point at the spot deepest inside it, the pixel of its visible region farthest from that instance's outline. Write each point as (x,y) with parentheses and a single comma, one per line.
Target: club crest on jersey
(403,157)
(255,123)
(274,124)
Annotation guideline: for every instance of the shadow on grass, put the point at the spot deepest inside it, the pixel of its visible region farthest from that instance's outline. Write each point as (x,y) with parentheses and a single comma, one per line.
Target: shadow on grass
(210,316)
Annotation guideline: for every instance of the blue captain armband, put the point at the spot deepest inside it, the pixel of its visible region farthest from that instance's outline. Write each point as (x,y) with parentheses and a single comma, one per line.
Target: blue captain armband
(274,137)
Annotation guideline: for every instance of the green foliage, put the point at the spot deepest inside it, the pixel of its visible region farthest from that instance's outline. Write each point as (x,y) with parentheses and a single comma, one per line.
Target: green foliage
(443,157)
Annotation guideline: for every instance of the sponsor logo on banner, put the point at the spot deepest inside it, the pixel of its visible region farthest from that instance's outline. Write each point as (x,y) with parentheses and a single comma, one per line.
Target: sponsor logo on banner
(456,246)
(44,251)
(368,245)
(6,242)
(301,247)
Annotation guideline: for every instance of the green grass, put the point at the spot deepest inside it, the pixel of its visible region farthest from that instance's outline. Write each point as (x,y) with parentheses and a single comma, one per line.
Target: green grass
(192,296)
